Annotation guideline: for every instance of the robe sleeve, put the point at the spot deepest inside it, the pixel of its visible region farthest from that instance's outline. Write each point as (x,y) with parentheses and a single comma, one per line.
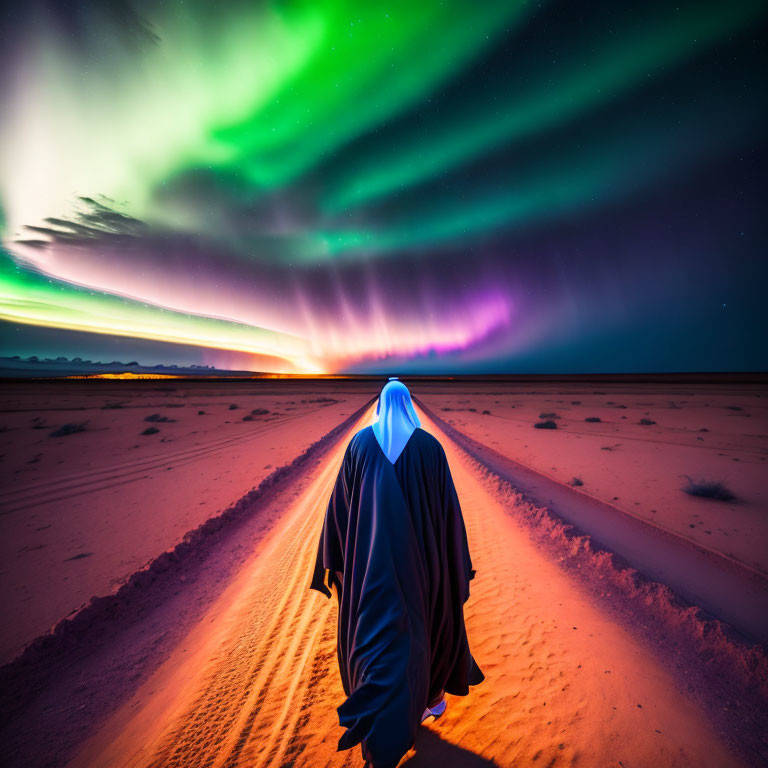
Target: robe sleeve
(330,547)
(456,532)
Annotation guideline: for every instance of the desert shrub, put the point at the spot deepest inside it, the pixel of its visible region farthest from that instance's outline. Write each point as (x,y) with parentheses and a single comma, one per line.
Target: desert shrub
(708,489)
(260,411)
(233,406)
(158,417)
(593,418)
(577,481)
(247,417)
(68,429)
(487,413)
(548,416)
(646,422)
(150,431)
(201,413)
(545,424)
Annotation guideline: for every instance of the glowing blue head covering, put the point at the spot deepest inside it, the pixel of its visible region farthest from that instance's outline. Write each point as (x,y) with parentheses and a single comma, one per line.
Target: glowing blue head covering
(396,418)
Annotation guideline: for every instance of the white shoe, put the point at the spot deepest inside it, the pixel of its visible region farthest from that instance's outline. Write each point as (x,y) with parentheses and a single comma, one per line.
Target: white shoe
(435,711)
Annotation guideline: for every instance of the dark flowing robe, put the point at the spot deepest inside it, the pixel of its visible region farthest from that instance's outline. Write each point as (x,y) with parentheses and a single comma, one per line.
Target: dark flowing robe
(396,534)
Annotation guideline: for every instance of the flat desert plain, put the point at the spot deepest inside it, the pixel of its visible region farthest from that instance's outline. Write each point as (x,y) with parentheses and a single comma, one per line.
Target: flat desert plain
(635,446)
(81,512)
(155,586)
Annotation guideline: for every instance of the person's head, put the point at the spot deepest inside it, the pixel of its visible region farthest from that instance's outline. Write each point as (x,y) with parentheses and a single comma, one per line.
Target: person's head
(395,400)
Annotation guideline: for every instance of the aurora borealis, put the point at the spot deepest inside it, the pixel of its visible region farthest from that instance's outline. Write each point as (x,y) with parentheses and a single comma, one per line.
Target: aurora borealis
(338,186)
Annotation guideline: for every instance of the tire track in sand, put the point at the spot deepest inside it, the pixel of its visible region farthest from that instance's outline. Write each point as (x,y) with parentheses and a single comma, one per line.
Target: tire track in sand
(36,494)
(256,683)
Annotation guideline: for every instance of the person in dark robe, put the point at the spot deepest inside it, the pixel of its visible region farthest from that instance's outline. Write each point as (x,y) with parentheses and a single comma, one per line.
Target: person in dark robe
(394,548)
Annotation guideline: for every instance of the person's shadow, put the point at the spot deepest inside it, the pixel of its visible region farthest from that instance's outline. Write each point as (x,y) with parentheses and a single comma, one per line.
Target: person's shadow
(431,750)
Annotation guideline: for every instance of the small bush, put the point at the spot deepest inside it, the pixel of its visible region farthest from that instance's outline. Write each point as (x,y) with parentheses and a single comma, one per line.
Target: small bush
(545,424)
(233,406)
(646,422)
(68,429)
(708,489)
(247,418)
(150,431)
(259,412)
(548,416)
(577,481)
(593,419)
(486,413)
(201,413)
(158,417)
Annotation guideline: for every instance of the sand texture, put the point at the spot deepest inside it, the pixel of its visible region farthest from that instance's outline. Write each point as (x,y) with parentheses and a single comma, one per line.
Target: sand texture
(80,513)
(715,431)
(220,655)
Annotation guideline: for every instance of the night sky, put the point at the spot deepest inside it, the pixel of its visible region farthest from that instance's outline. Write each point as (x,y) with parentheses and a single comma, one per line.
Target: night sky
(438,187)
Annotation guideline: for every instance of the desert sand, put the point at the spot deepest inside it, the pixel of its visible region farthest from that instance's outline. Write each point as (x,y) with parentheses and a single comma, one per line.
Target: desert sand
(563,683)
(80,513)
(225,657)
(705,431)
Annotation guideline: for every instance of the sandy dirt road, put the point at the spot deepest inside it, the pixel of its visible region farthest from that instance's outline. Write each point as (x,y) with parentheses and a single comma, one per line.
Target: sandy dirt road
(256,682)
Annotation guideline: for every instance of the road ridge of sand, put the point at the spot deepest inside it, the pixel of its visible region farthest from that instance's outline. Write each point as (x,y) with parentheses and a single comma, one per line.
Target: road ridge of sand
(476,447)
(718,667)
(21,677)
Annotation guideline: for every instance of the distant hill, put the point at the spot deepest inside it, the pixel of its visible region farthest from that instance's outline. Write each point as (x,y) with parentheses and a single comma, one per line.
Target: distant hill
(25,367)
